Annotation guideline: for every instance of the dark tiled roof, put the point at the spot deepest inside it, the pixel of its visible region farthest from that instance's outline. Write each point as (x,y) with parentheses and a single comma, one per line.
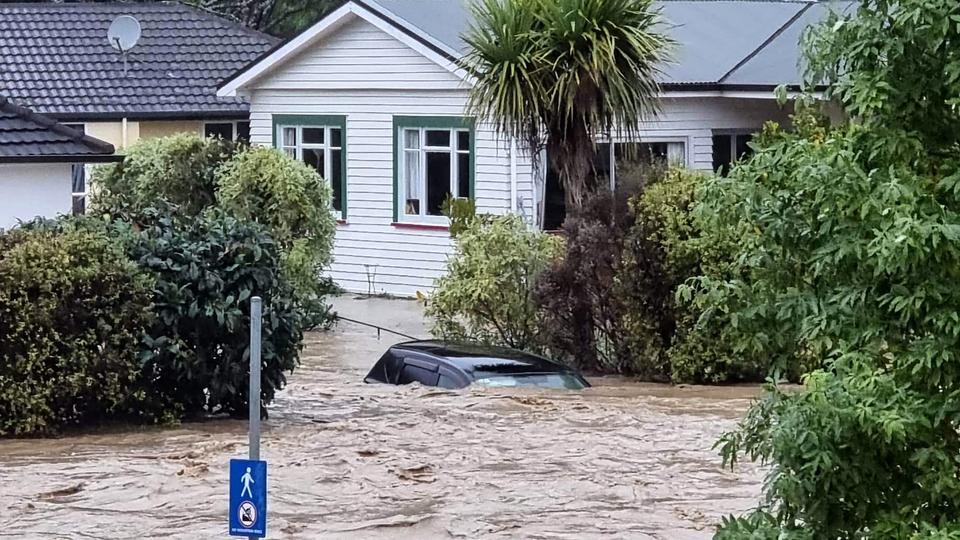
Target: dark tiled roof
(27,136)
(55,59)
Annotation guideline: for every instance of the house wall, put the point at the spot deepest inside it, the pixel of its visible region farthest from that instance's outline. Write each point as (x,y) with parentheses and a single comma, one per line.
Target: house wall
(33,189)
(152,130)
(369,76)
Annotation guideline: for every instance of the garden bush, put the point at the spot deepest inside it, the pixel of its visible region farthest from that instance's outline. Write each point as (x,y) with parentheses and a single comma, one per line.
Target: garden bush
(292,201)
(853,264)
(73,311)
(180,170)
(591,315)
(196,351)
(487,293)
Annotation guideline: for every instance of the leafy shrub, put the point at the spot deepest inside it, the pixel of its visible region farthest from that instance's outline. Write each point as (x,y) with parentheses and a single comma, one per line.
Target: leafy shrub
(666,215)
(196,353)
(587,308)
(180,170)
(487,292)
(854,264)
(73,310)
(292,201)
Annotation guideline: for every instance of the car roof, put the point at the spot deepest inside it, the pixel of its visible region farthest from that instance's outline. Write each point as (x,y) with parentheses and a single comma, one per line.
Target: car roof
(473,358)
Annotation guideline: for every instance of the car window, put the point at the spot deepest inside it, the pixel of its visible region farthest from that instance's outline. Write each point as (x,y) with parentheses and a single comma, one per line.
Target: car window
(415,373)
(568,381)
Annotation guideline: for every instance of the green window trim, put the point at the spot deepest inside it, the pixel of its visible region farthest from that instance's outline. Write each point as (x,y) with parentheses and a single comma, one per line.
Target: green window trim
(319,120)
(439,122)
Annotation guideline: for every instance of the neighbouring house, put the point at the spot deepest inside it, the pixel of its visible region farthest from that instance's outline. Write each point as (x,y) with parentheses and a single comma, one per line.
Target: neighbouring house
(55,59)
(37,157)
(372,96)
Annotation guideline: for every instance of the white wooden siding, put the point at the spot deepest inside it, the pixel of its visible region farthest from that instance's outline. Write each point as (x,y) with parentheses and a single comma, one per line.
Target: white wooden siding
(370,77)
(32,190)
(360,56)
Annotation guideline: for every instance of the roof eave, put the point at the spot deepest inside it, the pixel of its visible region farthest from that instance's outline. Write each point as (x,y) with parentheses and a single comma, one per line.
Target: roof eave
(63,158)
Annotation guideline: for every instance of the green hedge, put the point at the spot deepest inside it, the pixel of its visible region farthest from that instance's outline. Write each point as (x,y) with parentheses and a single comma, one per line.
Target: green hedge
(73,310)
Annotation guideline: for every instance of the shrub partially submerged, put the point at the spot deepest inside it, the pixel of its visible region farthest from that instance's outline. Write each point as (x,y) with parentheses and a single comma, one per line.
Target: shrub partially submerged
(195,355)
(487,293)
(73,311)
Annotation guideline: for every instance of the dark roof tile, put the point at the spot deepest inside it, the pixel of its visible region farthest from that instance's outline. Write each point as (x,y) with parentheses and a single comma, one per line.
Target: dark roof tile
(55,59)
(26,135)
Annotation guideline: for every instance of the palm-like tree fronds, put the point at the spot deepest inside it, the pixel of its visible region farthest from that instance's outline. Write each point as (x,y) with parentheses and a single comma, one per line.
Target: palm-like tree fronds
(556,73)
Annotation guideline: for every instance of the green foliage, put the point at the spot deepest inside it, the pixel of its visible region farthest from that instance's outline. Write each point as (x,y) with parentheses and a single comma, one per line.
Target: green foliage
(179,170)
(196,353)
(852,263)
(553,73)
(600,308)
(292,201)
(461,213)
(487,292)
(73,311)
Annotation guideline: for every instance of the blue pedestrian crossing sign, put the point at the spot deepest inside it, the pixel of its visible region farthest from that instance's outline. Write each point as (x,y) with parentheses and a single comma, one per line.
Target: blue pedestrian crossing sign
(248,497)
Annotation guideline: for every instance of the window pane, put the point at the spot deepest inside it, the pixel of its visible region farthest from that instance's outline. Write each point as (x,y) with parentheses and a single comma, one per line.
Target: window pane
(412,182)
(313,135)
(289,136)
(243,131)
(463,175)
(411,139)
(676,153)
(220,130)
(79,175)
(438,181)
(336,178)
(721,153)
(79,204)
(290,152)
(463,140)
(336,137)
(314,158)
(438,138)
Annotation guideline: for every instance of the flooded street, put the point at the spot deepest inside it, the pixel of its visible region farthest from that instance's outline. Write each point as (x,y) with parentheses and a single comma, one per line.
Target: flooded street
(355,461)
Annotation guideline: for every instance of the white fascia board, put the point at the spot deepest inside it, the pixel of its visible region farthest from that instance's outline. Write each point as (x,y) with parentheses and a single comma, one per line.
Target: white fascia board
(737,94)
(323,28)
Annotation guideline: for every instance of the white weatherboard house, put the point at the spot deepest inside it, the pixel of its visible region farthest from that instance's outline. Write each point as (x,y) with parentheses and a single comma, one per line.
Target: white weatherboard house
(372,96)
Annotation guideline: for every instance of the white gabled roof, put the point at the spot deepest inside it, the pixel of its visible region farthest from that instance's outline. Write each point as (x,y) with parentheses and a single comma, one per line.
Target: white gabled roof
(382,19)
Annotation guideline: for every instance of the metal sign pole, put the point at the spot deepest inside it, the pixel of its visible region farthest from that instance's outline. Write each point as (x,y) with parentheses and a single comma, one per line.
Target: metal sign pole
(256,314)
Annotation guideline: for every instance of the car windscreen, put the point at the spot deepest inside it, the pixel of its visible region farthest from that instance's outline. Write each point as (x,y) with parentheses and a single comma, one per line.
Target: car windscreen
(562,380)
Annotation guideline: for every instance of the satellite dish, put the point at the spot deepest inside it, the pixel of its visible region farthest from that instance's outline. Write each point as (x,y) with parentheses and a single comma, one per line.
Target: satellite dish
(124,32)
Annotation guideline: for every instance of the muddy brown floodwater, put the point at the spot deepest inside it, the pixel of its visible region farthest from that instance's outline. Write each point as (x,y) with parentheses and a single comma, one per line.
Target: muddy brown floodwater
(355,461)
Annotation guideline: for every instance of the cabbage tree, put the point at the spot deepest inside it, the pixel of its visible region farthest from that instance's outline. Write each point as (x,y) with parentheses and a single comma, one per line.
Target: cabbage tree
(556,73)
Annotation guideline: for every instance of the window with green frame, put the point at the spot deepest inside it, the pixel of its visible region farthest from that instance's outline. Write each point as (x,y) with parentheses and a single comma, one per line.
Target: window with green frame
(434,157)
(321,142)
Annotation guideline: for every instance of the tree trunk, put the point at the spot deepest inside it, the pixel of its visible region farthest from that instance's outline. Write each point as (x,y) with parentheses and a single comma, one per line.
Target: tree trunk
(571,152)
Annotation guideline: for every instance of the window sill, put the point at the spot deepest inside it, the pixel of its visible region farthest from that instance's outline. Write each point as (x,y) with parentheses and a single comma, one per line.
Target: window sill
(421,226)
(341,221)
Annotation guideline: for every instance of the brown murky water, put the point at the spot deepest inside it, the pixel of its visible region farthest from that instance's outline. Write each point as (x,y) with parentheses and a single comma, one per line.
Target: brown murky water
(355,461)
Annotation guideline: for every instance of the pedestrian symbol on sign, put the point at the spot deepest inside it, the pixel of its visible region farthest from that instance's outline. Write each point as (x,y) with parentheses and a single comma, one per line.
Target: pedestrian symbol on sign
(248,498)
(247,480)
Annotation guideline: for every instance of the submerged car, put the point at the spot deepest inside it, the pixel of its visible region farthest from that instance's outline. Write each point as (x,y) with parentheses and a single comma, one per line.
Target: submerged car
(457,365)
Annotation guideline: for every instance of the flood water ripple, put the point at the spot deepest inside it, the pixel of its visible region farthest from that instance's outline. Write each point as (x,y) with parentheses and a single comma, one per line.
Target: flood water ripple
(354,461)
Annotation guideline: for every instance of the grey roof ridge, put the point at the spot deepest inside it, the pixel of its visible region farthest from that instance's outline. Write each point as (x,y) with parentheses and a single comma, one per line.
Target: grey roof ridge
(98,146)
(769,40)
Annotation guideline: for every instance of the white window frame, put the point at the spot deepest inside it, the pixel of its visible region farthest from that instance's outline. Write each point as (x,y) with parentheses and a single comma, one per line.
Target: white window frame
(233,127)
(454,151)
(85,194)
(685,141)
(299,146)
